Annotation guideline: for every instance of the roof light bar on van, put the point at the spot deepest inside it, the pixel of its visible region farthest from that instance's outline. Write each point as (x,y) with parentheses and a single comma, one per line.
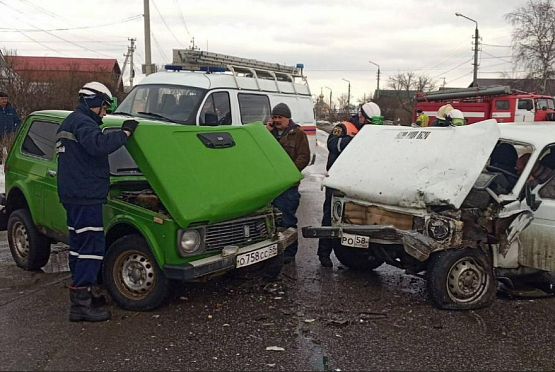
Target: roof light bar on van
(212,69)
(173,67)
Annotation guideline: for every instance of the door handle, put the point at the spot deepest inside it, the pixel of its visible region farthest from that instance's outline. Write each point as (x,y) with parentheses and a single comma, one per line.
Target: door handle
(51,173)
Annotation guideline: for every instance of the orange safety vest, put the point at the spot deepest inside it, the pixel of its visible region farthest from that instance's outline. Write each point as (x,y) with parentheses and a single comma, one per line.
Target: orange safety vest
(351,128)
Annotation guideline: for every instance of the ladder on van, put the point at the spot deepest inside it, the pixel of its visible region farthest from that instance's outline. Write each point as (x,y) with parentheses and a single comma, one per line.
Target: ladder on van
(198,60)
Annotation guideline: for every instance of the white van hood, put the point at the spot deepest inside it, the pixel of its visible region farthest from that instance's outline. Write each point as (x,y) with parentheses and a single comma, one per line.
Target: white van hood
(414,167)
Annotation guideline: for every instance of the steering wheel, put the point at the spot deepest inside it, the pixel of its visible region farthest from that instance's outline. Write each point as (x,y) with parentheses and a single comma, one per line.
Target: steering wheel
(493,168)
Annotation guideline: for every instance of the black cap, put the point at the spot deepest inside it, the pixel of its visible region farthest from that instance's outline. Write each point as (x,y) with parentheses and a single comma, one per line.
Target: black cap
(419,110)
(283,110)
(3,94)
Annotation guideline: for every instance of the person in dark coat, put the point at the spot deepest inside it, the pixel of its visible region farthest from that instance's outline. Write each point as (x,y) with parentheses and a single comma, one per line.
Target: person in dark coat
(83,182)
(295,143)
(340,137)
(9,120)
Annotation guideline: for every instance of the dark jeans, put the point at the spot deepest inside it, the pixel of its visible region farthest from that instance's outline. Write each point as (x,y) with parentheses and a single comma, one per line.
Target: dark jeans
(324,245)
(87,243)
(287,203)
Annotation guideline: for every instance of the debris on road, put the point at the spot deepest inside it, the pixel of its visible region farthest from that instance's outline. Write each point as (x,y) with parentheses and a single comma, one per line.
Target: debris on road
(274,348)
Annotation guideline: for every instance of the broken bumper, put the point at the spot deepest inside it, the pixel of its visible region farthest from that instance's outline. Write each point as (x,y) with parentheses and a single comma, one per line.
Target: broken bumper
(227,260)
(416,244)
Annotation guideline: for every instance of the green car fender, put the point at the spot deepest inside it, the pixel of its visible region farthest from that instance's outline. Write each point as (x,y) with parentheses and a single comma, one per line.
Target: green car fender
(155,240)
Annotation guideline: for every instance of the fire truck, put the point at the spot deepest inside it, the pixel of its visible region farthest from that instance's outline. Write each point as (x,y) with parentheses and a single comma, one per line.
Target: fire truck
(494,102)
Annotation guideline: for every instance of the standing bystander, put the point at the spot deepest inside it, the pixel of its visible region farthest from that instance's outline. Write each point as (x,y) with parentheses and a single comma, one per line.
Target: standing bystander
(9,120)
(83,181)
(295,143)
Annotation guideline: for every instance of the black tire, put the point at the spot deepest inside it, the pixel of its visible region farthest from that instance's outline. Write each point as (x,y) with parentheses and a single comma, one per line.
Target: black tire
(461,279)
(30,249)
(268,269)
(356,258)
(131,275)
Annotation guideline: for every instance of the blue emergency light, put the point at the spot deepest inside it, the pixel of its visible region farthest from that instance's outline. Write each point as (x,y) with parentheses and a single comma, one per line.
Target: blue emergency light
(173,67)
(212,69)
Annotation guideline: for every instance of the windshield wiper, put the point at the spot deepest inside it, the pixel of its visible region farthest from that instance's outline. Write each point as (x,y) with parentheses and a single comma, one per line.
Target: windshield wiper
(122,113)
(156,116)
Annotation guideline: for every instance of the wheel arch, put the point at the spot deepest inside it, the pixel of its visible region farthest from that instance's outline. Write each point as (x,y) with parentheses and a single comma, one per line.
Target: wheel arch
(123,228)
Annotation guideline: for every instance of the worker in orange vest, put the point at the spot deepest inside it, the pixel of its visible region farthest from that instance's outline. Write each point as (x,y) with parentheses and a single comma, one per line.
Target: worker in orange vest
(338,140)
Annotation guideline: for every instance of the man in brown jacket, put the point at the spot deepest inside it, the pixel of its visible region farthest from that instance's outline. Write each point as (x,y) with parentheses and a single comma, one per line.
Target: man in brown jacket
(295,143)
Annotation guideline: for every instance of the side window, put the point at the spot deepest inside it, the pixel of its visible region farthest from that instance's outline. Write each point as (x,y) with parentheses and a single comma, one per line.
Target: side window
(41,139)
(216,110)
(525,104)
(254,107)
(502,104)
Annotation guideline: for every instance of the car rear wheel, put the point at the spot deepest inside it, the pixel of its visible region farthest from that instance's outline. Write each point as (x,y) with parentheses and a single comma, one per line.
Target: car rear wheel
(461,279)
(30,249)
(356,258)
(132,276)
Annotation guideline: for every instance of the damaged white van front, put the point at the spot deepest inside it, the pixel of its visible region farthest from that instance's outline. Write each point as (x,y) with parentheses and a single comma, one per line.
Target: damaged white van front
(430,199)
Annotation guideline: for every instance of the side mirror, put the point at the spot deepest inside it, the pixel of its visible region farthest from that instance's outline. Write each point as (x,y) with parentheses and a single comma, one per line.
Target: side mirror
(210,118)
(113,105)
(531,198)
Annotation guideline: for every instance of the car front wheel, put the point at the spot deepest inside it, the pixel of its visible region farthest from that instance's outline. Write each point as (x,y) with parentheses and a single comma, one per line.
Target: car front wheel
(132,276)
(461,279)
(30,249)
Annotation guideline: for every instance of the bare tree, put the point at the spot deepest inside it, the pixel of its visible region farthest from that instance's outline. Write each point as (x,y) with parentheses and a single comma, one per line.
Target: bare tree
(406,85)
(534,38)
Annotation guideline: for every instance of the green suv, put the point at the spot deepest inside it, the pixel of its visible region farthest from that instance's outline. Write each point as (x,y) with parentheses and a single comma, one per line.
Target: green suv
(185,202)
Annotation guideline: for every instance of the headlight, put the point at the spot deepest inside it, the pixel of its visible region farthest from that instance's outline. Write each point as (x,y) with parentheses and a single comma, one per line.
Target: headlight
(190,241)
(337,210)
(438,229)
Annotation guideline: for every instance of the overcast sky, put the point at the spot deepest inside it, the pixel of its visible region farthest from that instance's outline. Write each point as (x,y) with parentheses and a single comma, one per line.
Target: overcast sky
(334,39)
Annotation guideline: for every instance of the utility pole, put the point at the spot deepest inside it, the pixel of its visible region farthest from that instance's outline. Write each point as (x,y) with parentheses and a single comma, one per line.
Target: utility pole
(130,51)
(348,95)
(148,61)
(476,49)
(378,84)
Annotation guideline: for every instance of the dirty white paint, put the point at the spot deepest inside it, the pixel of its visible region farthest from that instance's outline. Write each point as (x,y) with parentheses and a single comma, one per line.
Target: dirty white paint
(414,167)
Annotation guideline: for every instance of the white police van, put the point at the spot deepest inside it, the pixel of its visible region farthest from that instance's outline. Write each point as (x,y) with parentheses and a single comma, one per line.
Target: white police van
(202,88)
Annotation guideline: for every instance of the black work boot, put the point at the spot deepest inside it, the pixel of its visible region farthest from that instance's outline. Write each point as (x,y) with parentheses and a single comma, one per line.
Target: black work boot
(82,308)
(325,261)
(97,300)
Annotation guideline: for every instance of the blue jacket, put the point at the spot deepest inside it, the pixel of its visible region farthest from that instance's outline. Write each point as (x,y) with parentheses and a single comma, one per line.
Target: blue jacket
(338,141)
(83,169)
(9,120)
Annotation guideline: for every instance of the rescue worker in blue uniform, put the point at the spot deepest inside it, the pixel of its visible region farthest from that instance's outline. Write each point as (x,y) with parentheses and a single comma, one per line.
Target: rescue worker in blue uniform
(340,137)
(9,120)
(83,182)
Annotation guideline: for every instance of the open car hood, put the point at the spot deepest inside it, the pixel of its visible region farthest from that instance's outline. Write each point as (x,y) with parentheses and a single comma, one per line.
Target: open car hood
(212,174)
(414,167)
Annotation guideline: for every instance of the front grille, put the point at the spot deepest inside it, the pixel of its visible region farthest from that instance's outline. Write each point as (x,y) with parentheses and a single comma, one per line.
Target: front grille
(357,214)
(238,232)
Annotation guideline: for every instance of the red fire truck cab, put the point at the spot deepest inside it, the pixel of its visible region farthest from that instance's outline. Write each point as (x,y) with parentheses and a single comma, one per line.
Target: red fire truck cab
(499,102)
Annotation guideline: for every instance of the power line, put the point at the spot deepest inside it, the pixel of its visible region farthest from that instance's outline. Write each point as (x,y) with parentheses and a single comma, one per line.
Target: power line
(454,68)
(5,29)
(160,50)
(497,46)
(163,20)
(181,17)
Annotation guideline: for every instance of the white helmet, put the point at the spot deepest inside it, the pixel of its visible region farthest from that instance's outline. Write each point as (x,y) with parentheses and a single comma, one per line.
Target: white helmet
(443,111)
(96,89)
(456,116)
(370,109)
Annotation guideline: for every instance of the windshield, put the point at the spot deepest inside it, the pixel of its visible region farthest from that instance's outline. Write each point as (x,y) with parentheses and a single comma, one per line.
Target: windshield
(172,103)
(121,162)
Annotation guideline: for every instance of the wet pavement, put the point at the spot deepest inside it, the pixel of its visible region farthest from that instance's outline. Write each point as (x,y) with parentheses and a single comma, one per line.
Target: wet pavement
(323,319)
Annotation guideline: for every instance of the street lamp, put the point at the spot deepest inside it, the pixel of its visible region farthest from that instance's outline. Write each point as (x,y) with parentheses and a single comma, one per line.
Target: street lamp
(330,96)
(348,95)
(378,89)
(476,40)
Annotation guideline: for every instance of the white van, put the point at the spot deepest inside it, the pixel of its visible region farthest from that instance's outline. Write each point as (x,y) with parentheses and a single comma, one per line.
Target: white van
(236,97)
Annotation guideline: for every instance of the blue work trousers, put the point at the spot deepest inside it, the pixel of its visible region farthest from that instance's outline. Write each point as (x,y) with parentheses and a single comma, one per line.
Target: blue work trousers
(287,203)
(87,243)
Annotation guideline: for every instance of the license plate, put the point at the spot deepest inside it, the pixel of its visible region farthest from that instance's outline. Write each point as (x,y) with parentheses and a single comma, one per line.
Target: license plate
(356,241)
(258,255)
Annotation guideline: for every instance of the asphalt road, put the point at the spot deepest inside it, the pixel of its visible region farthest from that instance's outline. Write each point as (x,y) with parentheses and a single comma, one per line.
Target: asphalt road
(324,319)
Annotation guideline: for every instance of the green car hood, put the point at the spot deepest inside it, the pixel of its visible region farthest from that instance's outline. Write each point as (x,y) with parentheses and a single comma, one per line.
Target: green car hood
(200,184)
